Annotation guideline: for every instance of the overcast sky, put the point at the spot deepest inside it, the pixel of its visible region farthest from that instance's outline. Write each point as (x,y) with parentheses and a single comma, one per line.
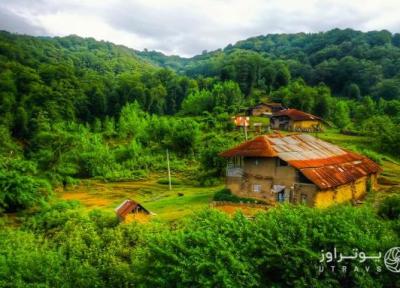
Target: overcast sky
(187,27)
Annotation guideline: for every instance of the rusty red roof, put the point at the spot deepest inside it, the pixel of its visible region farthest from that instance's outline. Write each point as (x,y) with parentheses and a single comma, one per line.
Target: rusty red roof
(127,207)
(296,115)
(258,147)
(323,163)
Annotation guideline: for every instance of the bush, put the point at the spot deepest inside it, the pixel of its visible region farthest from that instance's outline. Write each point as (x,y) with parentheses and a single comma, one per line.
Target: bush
(63,246)
(390,208)
(19,188)
(226,195)
(165,181)
(280,248)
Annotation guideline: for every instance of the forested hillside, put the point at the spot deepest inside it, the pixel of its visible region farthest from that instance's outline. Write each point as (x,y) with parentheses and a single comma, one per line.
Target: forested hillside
(350,62)
(75,111)
(348,77)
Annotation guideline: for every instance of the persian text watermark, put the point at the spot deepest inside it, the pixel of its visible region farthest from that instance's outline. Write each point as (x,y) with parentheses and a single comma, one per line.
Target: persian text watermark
(335,261)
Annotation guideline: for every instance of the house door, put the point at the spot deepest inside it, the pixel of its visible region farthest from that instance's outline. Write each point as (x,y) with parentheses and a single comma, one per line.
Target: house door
(281,196)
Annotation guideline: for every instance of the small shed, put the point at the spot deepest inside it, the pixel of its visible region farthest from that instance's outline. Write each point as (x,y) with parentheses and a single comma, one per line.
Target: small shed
(130,206)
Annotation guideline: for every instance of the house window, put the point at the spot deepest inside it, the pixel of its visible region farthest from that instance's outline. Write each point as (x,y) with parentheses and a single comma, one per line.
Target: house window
(238,162)
(303,199)
(282,163)
(256,188)
(302,178)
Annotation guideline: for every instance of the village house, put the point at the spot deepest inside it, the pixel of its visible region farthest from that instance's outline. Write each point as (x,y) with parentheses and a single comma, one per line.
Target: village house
(295,120)
(264,109)
(298,169)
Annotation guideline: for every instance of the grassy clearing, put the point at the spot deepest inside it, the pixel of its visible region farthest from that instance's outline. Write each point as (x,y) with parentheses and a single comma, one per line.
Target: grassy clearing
(168,205)
(345,141)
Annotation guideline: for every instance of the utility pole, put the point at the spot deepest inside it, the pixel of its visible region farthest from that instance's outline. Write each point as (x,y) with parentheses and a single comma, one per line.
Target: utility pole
(245,127)
(169,172)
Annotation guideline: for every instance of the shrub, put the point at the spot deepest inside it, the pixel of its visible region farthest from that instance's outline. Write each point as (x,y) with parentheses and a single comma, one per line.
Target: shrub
(19,188)
(280,248)
(226,195)
(390,208)
(165,181)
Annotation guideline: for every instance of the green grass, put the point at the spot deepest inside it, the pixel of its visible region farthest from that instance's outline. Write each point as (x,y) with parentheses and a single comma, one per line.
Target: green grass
(165,181)
(258,119)
(183,199)
(345,141)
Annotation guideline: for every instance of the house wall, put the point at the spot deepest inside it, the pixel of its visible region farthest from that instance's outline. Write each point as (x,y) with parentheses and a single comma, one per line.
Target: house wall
(280,122)
(257,111)
(352,191)
(234,184)
(374,181)
(264,172)
(305,125)
(305,191)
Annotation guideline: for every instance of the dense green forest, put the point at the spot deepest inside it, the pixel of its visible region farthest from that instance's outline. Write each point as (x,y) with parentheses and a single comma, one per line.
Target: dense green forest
(75,108)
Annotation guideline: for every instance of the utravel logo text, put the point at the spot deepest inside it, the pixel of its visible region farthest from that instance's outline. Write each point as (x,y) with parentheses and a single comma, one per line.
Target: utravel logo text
(335,261)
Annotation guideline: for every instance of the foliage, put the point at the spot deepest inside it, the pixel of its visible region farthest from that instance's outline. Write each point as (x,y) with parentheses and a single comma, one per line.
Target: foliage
(19,188)
(278,249)
(225,96)
(226,195)
(63,246)
(165,181)
(390,208)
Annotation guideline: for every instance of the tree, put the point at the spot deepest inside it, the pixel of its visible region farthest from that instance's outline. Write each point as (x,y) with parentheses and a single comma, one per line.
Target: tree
(198,102)
(131,121)
(20,123)
(341,114)
(282,76)
(353,91)
(388,89)
(19,189)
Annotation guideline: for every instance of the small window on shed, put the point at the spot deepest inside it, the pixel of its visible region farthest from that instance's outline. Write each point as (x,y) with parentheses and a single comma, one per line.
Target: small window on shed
(282,163)
(256,188)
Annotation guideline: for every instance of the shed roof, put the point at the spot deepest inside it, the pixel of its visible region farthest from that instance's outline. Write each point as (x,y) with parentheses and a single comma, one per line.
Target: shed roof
(324,164)
(127,207)
(296,115)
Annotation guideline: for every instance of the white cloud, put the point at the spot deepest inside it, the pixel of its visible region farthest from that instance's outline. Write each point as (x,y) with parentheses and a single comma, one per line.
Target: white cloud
(187,27)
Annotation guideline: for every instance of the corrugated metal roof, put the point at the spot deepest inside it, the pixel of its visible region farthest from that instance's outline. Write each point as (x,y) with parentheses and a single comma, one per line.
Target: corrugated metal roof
(296,115)
(323,163)
(127,207)
(258,147)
